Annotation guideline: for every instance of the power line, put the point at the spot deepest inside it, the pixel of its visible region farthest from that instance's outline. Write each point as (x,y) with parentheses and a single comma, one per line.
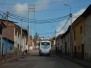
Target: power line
(63,26)
(12,16)
(46,33)
(16,17)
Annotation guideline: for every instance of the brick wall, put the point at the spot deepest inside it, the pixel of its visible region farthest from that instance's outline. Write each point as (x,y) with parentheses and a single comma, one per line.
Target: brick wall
(8,32)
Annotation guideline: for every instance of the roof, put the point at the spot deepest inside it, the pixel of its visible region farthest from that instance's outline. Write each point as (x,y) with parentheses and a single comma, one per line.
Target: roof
(59,36)
(8,40)
(86,13)
(7,21)
(2,25)
(25,31)
(12,24)
(68,30)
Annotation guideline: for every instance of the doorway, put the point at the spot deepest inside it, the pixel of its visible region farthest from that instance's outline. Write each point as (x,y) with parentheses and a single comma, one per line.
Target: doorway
(82,52)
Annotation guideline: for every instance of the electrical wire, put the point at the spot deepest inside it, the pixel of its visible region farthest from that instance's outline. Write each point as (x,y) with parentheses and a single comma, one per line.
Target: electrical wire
(63,26)
(16,17)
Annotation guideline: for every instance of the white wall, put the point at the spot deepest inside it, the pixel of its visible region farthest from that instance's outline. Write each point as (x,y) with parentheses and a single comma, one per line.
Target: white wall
(17,39)
(23,43)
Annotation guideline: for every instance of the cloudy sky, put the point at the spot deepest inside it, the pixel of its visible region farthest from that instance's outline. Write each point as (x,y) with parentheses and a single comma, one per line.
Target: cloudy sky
(45,10)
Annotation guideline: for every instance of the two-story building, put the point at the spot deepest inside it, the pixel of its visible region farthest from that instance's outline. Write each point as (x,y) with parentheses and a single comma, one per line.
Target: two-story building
(82,35)
(2,26)
(20,38)
(78,33)
(66,42)
(13,38)
(87,34)
(59,44)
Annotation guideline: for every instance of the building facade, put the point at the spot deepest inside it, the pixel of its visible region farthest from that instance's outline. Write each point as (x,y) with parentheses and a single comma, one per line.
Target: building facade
(66,42)
(87,33)
(77,34)
(14,39)
(82,35)
(2,26)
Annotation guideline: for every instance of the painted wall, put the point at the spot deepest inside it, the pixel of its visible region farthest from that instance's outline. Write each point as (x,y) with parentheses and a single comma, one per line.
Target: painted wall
(16,39)
(19,43)
(23,43)
(78,33)
(87,39)
(66,48)
(67,43)
(63,45)
(7,46)
(0,44)
(9,31)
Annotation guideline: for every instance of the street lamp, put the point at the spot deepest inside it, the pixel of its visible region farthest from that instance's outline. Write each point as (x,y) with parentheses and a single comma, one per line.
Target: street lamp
(21,36)
(30,8)
(71,38)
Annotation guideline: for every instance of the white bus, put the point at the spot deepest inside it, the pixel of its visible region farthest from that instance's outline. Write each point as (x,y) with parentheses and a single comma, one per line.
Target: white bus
(45,48)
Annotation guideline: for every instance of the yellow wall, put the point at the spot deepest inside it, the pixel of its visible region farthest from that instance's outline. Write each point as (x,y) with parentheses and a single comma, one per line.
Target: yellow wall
(78,35)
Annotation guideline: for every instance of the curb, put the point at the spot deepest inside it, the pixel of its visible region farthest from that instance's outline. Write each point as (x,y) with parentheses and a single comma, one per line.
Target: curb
(8,60)
(11,59)
(86,66)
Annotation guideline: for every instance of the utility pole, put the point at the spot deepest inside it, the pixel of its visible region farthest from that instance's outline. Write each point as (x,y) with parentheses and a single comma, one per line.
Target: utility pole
(71,37)
(29,23)
(34,25)
(7,34)
(28,27)
(21,36)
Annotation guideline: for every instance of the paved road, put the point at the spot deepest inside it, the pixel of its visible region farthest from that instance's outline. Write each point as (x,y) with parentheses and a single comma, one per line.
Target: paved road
(41,62)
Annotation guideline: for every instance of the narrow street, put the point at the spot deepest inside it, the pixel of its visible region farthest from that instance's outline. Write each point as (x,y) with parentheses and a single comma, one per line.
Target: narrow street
(35,61)
(45,34)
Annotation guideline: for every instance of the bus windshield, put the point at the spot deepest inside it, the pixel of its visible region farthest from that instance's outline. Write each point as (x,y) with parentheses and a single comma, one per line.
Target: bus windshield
(45,43)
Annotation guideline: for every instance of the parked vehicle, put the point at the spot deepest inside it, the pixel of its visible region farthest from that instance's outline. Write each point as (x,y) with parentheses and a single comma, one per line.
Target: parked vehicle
(45,48)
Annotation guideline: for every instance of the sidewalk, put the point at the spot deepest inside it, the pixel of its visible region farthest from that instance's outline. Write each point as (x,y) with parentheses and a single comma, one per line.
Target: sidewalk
(12,58)
(8,59)
(86,64)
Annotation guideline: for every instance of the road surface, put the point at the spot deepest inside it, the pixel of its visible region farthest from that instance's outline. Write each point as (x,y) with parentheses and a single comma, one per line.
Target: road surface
(35,61)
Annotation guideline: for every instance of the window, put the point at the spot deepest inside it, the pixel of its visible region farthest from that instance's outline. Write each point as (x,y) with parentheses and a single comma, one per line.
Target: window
(68,39)
(18,35)
(45,43)
(74,35)
(18,46)
(80,29)
(16,32)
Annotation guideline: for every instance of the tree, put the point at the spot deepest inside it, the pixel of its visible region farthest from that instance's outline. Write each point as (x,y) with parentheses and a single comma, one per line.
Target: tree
(36,39)
(36,36)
